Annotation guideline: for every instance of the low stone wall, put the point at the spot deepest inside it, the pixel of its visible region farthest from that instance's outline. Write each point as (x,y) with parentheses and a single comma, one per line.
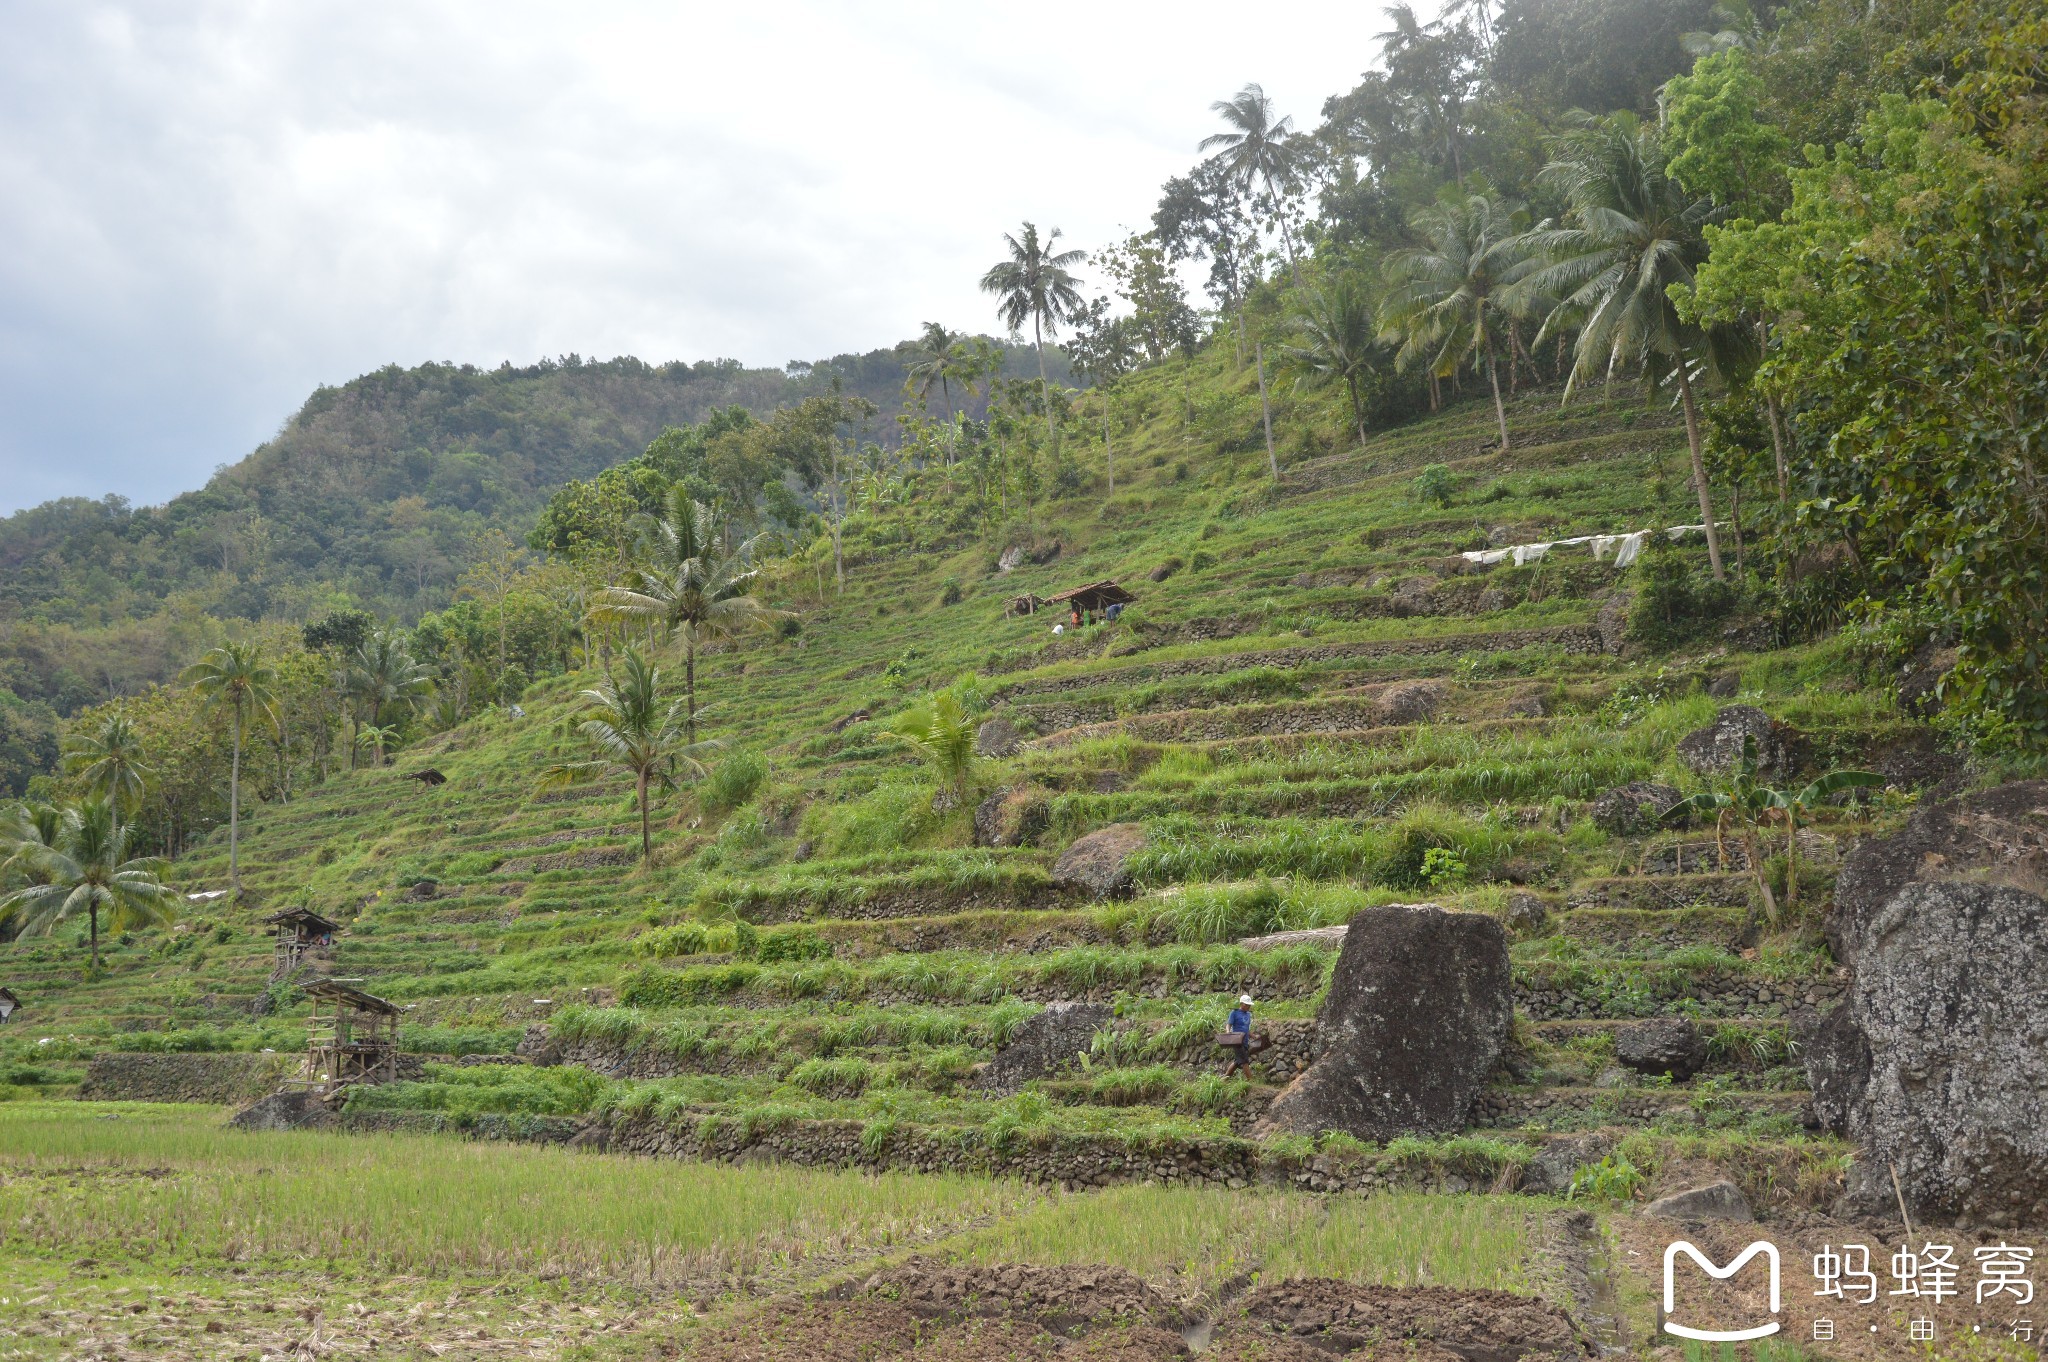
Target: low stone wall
(1510,1109)
(1716,997)
(488,1126)
(224,1078)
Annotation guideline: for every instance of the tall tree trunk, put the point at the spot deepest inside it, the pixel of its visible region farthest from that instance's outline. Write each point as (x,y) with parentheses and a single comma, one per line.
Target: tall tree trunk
(1735,518)
(1699,473)
(689,687)
(1500,412)
(1044,384)
(1108,454)
(235,808)
(646,838)
(92,914)
(1266,410)
(1778,448)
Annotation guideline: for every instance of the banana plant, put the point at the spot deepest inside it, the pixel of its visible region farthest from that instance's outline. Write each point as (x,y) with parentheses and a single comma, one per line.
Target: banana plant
(1753,807)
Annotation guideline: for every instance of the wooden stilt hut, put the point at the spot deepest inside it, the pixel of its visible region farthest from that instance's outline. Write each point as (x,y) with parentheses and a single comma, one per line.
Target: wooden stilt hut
(351,1037)
(299,931)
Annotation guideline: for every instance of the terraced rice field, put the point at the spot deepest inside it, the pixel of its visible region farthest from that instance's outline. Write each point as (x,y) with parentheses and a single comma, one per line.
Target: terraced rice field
(1314,696)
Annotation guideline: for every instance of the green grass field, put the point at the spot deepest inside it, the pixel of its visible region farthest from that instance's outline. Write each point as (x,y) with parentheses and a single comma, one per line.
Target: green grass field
(819,939)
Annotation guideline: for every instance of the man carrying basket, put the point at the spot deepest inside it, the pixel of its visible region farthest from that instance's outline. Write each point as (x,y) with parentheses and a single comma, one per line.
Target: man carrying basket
(1237,1039)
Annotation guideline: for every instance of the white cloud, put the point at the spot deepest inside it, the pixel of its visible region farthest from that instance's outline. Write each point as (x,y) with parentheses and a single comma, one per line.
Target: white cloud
(207,209)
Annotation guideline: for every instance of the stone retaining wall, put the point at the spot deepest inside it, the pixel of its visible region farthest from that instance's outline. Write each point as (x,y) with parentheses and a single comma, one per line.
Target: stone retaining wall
(488,1126)
(1573,638)
(224,1078)
(1727,997)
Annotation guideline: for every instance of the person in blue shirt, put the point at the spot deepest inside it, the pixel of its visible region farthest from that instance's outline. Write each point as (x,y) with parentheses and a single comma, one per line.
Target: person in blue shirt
(1240,1023)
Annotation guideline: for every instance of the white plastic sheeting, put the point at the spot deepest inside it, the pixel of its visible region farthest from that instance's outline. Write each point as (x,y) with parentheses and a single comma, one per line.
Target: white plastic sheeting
(1625,547)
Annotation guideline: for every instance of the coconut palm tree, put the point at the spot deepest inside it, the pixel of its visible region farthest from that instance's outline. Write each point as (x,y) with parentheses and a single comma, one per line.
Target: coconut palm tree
(1634,234)
(108,762)
(380,675)
(235,677)
(635,735)
(689,586)
(1334,330)
(1258,149)
(1036,284)
(942,731)
(87,870)
(1450,297)
(26,831)
(937,356)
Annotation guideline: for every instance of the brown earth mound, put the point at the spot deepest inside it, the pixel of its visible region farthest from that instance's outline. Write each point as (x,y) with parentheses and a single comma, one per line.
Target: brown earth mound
(1477,1326)
(927,1309)
(1060,1297)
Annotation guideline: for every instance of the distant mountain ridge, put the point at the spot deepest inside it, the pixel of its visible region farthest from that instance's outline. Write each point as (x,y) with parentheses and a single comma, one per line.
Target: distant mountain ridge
(374,491)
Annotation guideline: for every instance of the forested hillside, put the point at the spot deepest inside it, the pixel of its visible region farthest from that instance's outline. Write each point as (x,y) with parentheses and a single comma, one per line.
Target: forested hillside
(375,495)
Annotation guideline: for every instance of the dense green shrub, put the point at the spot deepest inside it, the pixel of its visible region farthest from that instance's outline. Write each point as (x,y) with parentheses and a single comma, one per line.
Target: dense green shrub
(732,782)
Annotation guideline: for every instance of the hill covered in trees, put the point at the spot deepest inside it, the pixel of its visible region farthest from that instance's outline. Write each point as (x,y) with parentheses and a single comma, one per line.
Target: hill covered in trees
(377,494)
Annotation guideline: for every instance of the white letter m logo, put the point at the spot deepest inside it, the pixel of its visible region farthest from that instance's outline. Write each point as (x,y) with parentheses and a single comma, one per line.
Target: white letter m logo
(1768,1250)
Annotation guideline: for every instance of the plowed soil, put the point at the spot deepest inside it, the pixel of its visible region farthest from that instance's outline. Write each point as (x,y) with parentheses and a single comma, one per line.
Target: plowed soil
(929,1310)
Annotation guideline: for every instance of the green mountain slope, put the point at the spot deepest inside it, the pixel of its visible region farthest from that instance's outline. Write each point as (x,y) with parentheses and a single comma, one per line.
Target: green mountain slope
(373,494)
(821,940)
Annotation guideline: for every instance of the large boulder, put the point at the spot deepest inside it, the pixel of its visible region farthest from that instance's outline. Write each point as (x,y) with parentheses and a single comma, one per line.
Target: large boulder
(1717,748)
(997,737)
(1932,1063)
(1662,1045)
(1043,1043)
(1414,1022)
(292,1109)
(1716,1201)
(1098,865)
(1997,836)
(1410,702)
(1634,809)
(1012,818)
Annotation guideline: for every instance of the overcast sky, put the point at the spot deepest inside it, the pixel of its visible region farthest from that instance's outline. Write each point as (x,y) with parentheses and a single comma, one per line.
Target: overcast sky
(206,209)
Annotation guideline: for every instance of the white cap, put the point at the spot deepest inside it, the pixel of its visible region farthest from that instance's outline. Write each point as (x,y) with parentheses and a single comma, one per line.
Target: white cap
(1244,1000)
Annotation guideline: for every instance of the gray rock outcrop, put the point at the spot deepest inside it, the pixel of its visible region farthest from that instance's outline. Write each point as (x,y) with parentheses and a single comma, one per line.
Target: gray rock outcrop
(1098,865)
(1410,702)
(1550,1171)
(1043,1043)
(1997,836)
(1662,1045)
(1717,748)
(1012,818)
(294,1109)
(1527,914)
(1715,1201)
(1414,1022)
(997,737)
(1933,1063)
(1634,809)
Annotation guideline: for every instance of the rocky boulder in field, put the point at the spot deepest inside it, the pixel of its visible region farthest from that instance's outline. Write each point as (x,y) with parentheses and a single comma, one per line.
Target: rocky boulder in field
(1933,1062)
(1414,1022)
(1098,865)
(1011,818)
(1717,748)
(1634,809)
(1997,836)
(1043,1043)
(997,737)
(1662,1045)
